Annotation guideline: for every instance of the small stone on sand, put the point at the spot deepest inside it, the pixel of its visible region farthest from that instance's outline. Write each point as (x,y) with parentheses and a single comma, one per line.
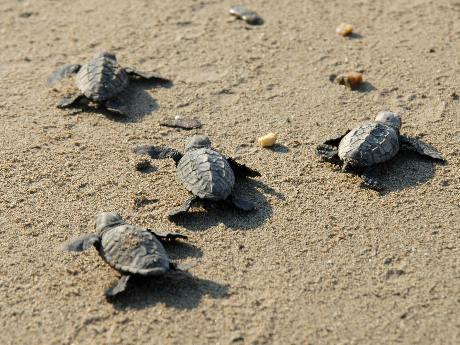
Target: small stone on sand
(344,29)
(351,79)
(180,122)
(247,15)
(267,140)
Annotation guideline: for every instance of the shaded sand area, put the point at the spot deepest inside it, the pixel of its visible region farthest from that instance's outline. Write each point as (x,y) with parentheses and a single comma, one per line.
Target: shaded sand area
(322,261)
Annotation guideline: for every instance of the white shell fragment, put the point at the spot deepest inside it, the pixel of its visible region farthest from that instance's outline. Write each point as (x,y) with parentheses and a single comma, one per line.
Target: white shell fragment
(246,14)
(267,140)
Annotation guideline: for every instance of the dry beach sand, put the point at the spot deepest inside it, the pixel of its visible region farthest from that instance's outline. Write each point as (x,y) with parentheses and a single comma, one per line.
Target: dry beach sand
(322,261)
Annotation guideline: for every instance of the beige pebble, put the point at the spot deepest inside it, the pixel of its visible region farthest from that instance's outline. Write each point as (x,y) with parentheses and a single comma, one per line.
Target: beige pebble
(344,29)
(354,79)
(350,79)
(267,140)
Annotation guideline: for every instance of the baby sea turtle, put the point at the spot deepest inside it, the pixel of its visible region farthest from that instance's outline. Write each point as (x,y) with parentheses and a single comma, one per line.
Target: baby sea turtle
(129,249)
(206,173)
(100,80)
(364,147)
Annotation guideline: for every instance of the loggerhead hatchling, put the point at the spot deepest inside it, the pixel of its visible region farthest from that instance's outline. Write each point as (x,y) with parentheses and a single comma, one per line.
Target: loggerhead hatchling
(364,147)
(129,249)
(100,80)
(206,173)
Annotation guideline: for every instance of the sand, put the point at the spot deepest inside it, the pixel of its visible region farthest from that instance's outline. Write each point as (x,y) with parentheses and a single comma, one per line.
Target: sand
(322,261)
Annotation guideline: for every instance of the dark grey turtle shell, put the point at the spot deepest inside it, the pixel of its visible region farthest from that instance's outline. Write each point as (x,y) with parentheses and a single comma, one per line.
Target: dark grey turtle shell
(102,78)
(369,144)
(133,250)
(206,173)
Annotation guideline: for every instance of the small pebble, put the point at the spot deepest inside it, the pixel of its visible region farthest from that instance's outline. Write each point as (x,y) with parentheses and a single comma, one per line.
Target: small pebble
(267,140)
(247,15)
(350,79)
(26,14)
(180,122)
(344,29)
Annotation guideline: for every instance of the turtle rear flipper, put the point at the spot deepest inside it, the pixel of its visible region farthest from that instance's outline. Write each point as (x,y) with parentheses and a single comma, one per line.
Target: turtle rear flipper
(422,148)
(184,208)
(147,75)
(158,152)
(82,243)
(116,106)
(168,236)
(370,178)
(70,100)
(62,72)
(241,169)
(119,287)
(242,204)
(328,150)
(328,153)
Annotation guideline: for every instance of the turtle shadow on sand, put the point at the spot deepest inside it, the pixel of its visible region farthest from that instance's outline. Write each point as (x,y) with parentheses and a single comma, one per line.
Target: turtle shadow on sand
(223,213)
(365,87)
(137,102)
(181,291)
(405,170)
(279,148)
(182,250)
(355,36)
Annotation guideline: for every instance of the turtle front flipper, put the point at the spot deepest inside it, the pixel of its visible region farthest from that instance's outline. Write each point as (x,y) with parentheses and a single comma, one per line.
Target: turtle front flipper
(119,287)
(167,236)
(69,101)
(422,148)
(241,169)
(241,204)
(116,106)
(159,152)
(184,208)
(147,75)
(62,72)
(370,178)
(82,243)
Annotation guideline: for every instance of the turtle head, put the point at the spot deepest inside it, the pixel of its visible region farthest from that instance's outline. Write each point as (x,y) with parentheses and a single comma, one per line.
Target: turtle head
(106,55)
(197,142)
(389,118)
(106,219)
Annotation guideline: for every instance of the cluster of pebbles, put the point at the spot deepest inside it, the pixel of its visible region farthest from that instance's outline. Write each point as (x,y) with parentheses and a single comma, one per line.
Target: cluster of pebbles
(207,174)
